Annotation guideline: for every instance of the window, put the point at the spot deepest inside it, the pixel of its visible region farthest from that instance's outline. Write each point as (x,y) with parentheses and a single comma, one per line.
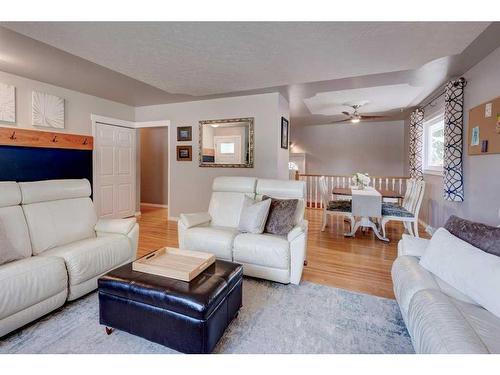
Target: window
(227,148)
(434,145)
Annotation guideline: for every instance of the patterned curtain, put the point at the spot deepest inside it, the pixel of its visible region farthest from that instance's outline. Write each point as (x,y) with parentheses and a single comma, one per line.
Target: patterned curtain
(416,143)
(453,141)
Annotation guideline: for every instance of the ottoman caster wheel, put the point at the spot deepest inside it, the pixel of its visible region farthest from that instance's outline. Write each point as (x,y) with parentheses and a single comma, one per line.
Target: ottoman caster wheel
(305,262)
(109,331)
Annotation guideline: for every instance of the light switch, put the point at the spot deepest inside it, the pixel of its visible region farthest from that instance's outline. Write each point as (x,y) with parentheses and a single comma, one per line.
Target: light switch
(487,110)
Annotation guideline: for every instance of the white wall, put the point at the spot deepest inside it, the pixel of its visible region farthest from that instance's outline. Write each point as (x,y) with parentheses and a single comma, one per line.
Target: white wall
(481,172)
(78,106)
(282,162)
(376,148)
(189,184)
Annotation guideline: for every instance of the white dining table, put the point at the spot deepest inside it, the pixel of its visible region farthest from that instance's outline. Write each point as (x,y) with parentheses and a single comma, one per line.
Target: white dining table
(366,204)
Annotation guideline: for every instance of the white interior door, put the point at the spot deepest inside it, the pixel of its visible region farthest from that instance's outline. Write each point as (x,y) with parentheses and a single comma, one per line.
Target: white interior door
(227,149)
(114,171)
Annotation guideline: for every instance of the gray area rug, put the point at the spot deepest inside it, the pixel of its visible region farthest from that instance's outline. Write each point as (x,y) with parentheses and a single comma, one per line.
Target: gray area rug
(275,318)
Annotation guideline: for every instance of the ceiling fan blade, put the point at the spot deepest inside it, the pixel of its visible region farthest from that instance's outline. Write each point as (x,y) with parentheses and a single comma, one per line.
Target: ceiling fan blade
(346,113)
(367,117)
(341,121)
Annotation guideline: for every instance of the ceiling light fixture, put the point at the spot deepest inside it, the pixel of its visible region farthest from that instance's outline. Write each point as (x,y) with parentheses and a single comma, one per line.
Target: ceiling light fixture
(355,120)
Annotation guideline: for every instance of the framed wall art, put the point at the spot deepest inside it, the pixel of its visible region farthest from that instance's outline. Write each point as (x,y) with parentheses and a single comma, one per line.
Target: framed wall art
(7,103)
(184,134)
(284,133)
(47,110)
(184,153)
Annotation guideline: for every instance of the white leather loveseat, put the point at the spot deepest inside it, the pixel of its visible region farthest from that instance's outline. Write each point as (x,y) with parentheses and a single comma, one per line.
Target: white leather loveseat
(53,226)
(266,256)
(439,318)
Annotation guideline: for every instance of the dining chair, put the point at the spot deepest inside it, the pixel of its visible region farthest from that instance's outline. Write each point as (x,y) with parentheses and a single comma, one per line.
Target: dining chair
(408,211)
(333,207)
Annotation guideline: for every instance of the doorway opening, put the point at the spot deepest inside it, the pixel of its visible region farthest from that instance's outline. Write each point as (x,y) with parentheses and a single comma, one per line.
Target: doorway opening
(153,154)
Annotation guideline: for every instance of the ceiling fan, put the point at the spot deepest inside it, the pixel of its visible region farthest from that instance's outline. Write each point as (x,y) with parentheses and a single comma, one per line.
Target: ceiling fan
(356,117)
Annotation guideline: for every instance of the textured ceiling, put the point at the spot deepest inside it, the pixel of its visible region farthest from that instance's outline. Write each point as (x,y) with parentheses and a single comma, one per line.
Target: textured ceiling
(214,58)
(153,63)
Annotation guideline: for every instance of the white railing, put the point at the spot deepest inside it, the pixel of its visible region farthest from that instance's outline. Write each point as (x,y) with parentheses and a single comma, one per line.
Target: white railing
(313,197)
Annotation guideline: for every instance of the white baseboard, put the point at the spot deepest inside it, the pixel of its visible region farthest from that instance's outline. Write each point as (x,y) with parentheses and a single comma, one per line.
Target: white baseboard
(173,218)
(154,205)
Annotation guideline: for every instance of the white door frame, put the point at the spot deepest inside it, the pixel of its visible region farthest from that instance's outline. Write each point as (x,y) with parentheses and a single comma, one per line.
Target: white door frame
(125,124)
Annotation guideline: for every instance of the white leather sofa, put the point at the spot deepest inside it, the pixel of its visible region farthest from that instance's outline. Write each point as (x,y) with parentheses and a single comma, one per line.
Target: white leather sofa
(439,318)
(266,256)
(65,249)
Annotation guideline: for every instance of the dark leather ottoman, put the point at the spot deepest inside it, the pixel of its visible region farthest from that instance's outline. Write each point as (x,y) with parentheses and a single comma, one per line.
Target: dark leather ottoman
(188,317)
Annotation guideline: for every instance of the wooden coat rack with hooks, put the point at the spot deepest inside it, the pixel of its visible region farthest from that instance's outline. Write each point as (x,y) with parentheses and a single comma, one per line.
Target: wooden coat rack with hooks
(44,139)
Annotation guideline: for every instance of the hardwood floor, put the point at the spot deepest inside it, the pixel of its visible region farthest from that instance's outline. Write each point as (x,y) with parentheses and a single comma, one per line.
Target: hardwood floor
(155,230)
(360,264)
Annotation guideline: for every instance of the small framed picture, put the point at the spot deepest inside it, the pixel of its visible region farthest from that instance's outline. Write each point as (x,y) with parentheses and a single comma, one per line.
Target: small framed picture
(184,153)
(184,133)
(284,133)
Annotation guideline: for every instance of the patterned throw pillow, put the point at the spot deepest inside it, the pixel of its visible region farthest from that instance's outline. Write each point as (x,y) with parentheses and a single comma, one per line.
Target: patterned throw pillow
(281,218)
(253,216)
(482,236)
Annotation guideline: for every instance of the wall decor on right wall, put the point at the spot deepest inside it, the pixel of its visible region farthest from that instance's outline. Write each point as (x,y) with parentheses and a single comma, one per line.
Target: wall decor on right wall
(284,133)
(47,110)
(7,103)
(484,125)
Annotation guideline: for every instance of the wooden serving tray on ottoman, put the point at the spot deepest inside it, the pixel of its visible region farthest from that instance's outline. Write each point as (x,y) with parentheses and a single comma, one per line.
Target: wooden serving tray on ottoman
(177,264)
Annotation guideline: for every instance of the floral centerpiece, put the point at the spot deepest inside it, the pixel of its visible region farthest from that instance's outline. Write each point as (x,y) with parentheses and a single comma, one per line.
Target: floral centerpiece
(360,180)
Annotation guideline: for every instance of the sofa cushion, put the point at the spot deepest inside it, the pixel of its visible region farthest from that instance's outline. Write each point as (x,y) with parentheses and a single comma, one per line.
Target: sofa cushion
(92,257)
(470,270)
(482,236)
(214,240)
(10,194)
(485,324)
(281,218)
(60,222)
(284,189)
(234,184)
(225,209)
(29,281)
(254,215)
(437,326)
(262,249)
(14,237)
(52,190)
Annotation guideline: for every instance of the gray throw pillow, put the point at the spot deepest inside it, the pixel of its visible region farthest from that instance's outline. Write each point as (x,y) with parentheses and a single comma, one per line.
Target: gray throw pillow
(482,236)
(8,252)
(253,216)
(281,218)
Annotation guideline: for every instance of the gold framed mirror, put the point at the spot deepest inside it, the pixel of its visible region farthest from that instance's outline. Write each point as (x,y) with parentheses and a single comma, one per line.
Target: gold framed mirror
(227,143)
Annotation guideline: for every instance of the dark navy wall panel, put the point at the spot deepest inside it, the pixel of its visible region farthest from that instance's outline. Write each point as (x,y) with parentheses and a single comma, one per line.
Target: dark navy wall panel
(34,164)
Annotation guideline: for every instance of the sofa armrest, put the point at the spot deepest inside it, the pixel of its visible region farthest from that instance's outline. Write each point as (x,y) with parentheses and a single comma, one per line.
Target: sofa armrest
(413,246)
(297,230)
(118,226)
(297,238)
(193,220)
